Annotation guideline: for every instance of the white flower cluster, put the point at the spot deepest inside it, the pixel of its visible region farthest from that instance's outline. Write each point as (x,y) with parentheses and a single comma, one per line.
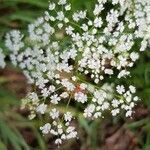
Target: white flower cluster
(62,132)
(2,59)
(106,99)
(68,60)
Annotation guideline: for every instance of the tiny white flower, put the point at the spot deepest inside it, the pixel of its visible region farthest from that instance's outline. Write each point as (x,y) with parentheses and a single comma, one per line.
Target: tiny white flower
(134,56)
(55,99)
(105,105)
(136,98)
(98,22)
(62,2)
(68,7)
(64,95)
(89,110)
(98,9)
(41,108)
(109,71)
(90,23)
(74,78)
(60,16)
(84,27)
(132,89)
(129,113)
(76,17)
(115,103)
(58,141)
(68,116)
(143,45)
(115,112)
(120,89)
(123,73)
(45,92)
(52,6)
(54,113)
(97,115)
(80,97)
(70,86)
(60,25)
(83,86)
(52,88)
(69,30)
(46,128)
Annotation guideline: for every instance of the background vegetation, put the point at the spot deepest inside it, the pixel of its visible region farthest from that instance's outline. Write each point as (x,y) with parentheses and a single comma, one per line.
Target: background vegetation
(17,133)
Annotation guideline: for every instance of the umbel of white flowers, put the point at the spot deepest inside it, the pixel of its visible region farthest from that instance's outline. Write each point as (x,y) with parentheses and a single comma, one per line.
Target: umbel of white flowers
(69,57)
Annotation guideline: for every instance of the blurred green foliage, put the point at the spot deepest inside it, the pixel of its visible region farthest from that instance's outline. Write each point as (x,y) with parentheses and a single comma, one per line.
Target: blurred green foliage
(18,14)
(11,122)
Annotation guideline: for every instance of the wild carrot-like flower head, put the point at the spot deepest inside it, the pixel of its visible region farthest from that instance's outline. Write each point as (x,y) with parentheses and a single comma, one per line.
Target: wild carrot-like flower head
(69,57)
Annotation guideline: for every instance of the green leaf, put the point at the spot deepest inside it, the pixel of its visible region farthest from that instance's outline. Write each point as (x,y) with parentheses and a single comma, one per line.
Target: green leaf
(2,146)
(7,99)
(84,123)
(11,136)
(38,3)
(147,144)
(138,123)
(3,80)
(147,75)
(40,140)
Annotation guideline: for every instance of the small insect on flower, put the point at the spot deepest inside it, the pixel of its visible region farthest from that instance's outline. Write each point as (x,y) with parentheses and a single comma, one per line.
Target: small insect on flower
(2,57)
